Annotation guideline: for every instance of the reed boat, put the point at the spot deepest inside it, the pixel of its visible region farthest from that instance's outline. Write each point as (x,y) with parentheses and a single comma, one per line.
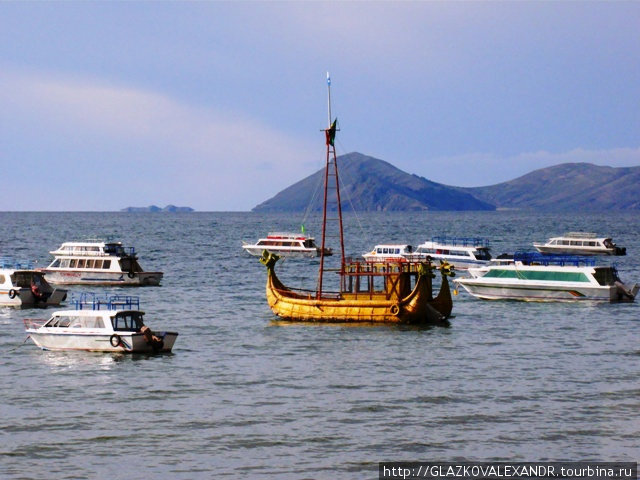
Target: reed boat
(386,290)
(374,292)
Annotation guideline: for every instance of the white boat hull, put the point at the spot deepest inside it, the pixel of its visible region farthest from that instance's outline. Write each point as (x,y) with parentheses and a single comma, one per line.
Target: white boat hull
(129,342)
(75,277)
(538,291)
(283,252)
(23,298)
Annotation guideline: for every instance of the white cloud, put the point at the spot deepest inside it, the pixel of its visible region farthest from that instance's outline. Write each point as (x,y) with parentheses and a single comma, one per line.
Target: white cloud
(150,140)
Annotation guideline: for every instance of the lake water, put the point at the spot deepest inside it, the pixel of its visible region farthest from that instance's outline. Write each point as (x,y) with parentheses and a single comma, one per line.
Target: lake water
(244,396)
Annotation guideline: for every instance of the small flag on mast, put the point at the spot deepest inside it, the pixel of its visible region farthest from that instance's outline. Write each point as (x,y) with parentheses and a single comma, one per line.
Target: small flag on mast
(328,79)
(331,133)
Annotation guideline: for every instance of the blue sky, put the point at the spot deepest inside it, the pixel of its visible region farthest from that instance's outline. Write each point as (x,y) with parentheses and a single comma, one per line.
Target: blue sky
(219,105)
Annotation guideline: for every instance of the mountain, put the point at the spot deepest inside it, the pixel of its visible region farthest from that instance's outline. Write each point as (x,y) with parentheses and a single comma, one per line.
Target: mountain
(569,186)
(370,184)
(154,208)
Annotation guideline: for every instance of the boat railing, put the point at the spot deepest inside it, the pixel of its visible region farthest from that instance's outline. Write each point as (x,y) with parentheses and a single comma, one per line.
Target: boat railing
(388,266)
(287,235)
(462,241)
(581,235)
(6,262)
(92,301)
(537,258)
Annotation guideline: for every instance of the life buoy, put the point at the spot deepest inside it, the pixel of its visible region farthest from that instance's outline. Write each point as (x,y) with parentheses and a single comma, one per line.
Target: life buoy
(115,337)
(12,293)
(395,309)
(131,274)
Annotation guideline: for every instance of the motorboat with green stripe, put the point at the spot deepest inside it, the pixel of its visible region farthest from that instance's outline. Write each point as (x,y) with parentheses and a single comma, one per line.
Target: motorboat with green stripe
(100,324)
(536,277)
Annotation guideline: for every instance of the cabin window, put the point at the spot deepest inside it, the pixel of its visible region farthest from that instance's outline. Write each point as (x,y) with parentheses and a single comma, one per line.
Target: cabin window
(89,264)
(397,250)
(72,263)
(2,279)
(81,263)
(591,244)
(379,250)
(106,264)
(98,264)
(131,322)
(56,263)
(552,242)
(86,322)
(65,263)
(576,243)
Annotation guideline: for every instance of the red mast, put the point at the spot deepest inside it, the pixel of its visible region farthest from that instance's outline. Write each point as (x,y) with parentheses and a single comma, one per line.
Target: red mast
(331,170)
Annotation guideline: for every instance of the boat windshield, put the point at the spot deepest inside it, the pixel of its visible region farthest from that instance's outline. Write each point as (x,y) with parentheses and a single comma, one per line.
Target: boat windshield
(127,321)
(483,254)
(26,279)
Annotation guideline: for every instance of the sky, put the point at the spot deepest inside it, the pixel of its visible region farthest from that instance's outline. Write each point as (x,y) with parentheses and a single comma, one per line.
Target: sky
(220,105)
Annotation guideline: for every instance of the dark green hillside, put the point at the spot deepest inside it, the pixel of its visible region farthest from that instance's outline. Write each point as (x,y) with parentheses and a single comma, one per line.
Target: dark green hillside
(569,186)
(373,185)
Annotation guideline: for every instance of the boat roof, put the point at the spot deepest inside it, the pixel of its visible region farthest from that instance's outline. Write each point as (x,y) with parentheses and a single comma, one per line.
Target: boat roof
(287,235)
(93,313)
(89,243)
(392,245)
(469,242)
(538,259)
(577,235)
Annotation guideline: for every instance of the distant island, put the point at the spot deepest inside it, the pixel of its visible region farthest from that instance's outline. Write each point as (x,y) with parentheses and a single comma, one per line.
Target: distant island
(369,184)
(154,208)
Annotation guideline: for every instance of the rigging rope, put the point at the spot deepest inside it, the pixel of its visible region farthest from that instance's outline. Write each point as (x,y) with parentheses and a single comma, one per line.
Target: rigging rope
(343,174)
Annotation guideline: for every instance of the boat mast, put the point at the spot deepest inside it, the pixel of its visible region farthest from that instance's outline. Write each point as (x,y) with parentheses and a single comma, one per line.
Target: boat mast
(331,170)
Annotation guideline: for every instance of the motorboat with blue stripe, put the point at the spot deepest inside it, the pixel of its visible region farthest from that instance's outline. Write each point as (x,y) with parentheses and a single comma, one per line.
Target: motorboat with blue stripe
(536,277)
(99,324)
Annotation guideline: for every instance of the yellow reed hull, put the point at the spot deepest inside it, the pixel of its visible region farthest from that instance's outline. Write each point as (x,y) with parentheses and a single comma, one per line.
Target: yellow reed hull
(416,308)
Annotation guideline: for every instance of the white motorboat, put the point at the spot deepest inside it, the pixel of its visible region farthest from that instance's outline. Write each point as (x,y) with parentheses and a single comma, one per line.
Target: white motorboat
(100,324)
(22,286)
(536,277)
(389,252)
(580,243)
(292,245)
(98,263)
(461,252)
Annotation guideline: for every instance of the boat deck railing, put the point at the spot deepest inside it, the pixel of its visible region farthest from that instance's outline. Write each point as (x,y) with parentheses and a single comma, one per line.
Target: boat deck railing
(388,266)
(92,301)
(461,241)
(6,262)
(537,258)
(287,235)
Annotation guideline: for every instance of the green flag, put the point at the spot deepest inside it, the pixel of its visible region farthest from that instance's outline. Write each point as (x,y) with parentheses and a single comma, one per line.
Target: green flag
(331,132)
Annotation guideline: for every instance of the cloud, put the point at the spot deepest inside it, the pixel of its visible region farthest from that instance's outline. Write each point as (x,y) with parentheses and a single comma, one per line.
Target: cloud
(147,142)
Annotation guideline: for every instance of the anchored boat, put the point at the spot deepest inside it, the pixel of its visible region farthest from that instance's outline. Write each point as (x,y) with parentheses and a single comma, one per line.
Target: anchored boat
(98,263)
(100,324)
(290,245)
(461,252)
(378,291)
(580,243)
(536,277)
(22,286)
